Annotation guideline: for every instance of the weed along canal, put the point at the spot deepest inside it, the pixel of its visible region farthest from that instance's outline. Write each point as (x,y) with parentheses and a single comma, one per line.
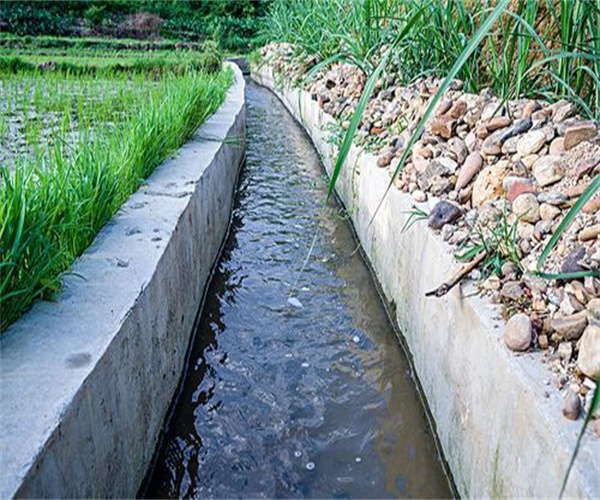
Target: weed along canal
(187,312)
(296,385)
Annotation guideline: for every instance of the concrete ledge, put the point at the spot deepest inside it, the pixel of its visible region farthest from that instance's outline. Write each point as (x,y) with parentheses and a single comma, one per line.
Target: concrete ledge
(500,435)
(86,381)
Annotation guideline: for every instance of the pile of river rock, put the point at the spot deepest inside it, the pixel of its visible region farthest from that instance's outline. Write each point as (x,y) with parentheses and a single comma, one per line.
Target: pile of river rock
(522,162)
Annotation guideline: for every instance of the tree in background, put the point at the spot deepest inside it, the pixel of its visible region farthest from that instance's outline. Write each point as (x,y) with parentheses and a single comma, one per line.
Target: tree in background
(233,25)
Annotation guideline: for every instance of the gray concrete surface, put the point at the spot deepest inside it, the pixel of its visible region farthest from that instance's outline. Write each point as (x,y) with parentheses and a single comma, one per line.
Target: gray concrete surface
(242,63)
(502,437)
(86,381)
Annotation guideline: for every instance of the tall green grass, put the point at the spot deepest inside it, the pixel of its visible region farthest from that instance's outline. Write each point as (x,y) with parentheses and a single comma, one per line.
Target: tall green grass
(52,205)
(546,49)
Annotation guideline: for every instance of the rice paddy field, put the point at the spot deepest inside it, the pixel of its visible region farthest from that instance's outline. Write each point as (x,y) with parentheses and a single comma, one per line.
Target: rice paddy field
(80,130)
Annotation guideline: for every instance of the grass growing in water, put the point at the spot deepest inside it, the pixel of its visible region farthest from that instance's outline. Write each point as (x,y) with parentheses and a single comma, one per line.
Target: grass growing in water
(114,62)
(52,206)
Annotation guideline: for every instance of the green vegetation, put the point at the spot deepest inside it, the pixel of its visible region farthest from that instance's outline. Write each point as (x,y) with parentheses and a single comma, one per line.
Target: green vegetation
(233,25)
(496,242)
(76,144)
(564,224)
(66,44)
(548,48)
(108,64)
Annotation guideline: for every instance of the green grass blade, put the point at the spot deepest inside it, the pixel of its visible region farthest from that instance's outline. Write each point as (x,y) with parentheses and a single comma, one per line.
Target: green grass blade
(356,118)
(568,276)
(588,418)
(571,214)
(365,96)
(481,33)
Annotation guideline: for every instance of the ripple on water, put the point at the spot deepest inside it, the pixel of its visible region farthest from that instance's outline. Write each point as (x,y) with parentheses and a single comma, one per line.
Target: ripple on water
(294,393)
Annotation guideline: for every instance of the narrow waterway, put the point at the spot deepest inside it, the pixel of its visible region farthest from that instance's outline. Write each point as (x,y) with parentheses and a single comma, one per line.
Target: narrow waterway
(296,385)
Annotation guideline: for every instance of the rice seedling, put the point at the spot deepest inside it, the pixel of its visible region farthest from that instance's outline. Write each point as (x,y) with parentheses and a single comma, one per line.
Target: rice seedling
(103,137)
(108,64)
(90,45)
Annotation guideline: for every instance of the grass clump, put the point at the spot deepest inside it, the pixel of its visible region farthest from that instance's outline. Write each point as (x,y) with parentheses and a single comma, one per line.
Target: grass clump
(54,201)
(546,49)
(496,242)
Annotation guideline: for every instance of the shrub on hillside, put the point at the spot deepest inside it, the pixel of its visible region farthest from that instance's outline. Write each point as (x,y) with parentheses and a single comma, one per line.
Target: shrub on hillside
(95,15)
(211,59)
(141,25)
(26,18)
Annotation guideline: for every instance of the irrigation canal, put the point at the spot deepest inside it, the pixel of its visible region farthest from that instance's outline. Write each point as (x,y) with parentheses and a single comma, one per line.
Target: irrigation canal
(296,385)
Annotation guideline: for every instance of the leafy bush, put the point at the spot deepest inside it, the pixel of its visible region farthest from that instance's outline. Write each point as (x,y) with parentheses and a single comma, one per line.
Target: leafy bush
(211,59)
(234,25)
(94,16)
(28,18)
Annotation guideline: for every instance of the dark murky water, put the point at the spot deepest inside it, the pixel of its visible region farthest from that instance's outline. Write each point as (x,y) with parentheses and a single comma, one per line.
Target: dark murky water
(309,397)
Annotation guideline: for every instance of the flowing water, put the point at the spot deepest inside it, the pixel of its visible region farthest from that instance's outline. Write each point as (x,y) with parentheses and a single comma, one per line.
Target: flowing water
(296,385)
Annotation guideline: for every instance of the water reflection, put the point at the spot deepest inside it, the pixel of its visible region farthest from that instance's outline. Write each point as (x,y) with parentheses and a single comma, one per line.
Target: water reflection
(294,399)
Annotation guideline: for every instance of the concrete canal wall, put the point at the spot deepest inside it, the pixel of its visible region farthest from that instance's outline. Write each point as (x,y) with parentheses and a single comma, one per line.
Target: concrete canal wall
(86,381)
(498,422)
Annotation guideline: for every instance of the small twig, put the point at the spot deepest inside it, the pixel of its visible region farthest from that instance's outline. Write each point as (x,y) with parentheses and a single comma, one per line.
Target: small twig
(456,277)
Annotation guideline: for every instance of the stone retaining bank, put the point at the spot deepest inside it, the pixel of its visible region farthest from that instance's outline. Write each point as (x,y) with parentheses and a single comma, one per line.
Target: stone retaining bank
(86,381)
(498,420)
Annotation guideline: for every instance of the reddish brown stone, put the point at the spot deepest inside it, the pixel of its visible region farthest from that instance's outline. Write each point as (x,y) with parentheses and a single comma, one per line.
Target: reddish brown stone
(458,109)
(592,206)
(443,126)
(518,188)
(497,122)
(472,166)
(575,191)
